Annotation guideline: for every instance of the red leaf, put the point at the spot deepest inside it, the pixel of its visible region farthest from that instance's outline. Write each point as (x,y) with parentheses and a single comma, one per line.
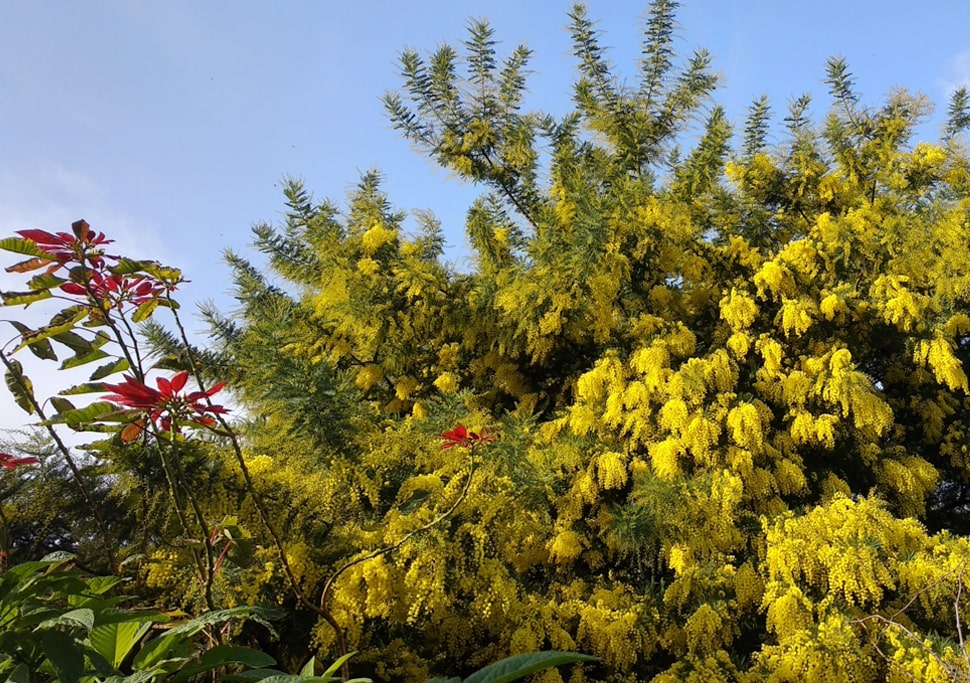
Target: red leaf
(178,382)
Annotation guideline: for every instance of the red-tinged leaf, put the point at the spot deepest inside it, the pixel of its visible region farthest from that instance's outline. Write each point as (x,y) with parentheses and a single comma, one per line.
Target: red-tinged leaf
(164,386)
(24,298)
(27,266)
(179,380)
(27,247)
(10,462)
(81,229)
(214,389)
(119,365)
(132,431)
(145,310)
(40,236)
(74,288)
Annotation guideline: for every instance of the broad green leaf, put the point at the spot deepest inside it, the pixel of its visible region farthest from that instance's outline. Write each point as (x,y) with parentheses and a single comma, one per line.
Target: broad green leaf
(18,245)
(38,346)
(332,670)
(84,415)
(24,298)
(115,641)
(261,615)
(127,266)
(163,273)
(45,281)
(82,617)
(62,334)
(62,405)
(99,585)
(100,339)
(119,365)
(20,386)
(58,328)
(519,666)
(86,388)
(224,655)
(145,310)
(257,675)
(165,647)
(21,674)
(309,667)
(77,361)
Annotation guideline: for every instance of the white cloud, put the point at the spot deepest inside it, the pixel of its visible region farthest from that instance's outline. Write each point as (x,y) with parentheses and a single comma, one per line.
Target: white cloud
(956,73)
(51,196)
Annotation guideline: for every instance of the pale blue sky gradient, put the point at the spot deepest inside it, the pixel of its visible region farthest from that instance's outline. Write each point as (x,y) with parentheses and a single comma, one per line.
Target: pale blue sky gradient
(169,124)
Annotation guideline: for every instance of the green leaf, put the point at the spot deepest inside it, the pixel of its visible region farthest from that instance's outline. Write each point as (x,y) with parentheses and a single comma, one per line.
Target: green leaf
(261,615)
(45,281)
(145,310)
(21,674)
(330,673)
(20,386)
(224,655)
(166,647)
(82,617)
(24,298)
(60,332)
(18,245)
(99,585)
(76,361)
(115,641)
(62,405)
(127,266)
(414,502)
(39,347)
(519,666)
(119,365)
(86,388)
(59,328)
(309,667)
(88,413)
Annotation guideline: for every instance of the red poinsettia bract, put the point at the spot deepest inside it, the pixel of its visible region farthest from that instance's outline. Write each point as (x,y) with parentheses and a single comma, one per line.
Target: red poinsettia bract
(85,247)
(115,290)
(165,406)
(459,436)
(11,462)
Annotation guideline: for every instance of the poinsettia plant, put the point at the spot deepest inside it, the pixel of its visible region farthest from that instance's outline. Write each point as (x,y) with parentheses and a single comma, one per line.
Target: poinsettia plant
(103,298)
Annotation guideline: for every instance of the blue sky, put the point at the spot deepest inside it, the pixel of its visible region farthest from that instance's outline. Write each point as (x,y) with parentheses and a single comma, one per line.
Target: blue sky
(168,125)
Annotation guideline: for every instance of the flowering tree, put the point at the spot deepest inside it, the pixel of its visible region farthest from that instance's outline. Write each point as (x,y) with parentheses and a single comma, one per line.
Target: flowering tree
(712,403)
(729,380)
